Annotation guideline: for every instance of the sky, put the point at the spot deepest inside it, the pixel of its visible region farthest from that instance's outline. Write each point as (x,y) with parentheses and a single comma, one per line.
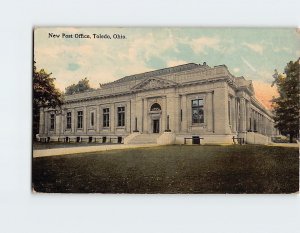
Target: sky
(250,52)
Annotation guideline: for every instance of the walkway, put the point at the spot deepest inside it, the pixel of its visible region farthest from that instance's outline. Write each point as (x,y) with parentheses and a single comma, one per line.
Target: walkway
(296,145)
(84,149)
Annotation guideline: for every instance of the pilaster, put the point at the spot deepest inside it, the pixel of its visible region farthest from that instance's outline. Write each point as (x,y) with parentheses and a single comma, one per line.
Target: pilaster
(164,114)
(98,110)
(145,115)
(128,116)
(209,112)
(73,120)
(85,120)
(243,115)
(112,113)
(42,122)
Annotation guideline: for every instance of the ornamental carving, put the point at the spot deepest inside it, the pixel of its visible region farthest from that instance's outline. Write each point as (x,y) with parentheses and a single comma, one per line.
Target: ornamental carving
(153,83)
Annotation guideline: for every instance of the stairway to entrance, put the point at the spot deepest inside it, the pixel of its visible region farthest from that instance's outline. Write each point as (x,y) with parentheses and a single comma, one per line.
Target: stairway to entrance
(145,139)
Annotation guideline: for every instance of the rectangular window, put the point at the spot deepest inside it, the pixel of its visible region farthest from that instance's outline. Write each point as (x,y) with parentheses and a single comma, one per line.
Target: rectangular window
(92,118)
(180,114)
(52,121)
(79,119)
(106,117)
(69,120)
(121,116)
(197,111)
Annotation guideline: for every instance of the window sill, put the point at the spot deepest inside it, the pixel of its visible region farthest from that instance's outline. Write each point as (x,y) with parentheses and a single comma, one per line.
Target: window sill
(202,125)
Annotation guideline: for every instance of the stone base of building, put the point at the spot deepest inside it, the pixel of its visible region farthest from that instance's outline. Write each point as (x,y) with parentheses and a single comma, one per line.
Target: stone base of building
(83,139)
(130,137)
(257,138)
(205,139)
(167,138)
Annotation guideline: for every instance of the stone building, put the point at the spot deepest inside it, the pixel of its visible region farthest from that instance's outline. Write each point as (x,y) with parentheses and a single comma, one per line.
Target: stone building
(164,106)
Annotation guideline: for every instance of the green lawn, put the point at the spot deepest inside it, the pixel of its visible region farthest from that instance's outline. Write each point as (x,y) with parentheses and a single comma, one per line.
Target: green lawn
(171,169)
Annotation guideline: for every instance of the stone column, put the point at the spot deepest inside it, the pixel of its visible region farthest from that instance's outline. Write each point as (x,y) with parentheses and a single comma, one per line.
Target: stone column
(139,114)
(248,115)
(85,120)
(46,130)
(171,112)
(230,115)
(176,114)
(268,127)
(259,123)
(133,114)
(253,119)
(42,122)
(243,115)
(57,123)
(98,119)
(145,116)
(164,114)
(256,119)
(233,111)
(62,121)
(73,119)
(127,117)
(265,125)
(112,117)
(209,111)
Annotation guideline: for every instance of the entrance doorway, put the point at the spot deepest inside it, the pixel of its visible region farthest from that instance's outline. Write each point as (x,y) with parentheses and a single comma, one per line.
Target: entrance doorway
(156,126)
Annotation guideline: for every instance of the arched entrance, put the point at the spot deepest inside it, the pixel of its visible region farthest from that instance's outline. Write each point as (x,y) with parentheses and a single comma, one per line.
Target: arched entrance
(155,114)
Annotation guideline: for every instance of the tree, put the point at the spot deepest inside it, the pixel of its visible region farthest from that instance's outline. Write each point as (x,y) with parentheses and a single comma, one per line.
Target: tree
(82,86)
(44,95)
(286,106)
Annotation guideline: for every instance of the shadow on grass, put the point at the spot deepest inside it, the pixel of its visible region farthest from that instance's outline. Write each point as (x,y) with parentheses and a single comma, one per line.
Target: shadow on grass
(171,169)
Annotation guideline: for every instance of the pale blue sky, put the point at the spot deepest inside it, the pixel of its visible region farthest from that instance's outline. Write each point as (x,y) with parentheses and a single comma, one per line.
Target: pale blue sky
(251,52)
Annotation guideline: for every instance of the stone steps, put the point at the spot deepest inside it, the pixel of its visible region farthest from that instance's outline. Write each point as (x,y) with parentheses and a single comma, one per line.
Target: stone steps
(145,139)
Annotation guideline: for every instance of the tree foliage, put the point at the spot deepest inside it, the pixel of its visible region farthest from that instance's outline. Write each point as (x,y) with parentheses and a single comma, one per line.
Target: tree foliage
(44,94)
(286,106)
(82,86)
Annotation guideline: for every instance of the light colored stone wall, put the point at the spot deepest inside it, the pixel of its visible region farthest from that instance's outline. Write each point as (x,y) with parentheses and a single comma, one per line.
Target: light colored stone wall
(221,111)
(222,93)
(257,138)
(207,139)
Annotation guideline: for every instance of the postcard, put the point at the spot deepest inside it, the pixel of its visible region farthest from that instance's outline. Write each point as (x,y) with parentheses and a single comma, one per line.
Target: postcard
(165,110)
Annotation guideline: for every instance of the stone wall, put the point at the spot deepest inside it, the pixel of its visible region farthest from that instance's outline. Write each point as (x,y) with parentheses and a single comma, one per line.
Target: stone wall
(256,138)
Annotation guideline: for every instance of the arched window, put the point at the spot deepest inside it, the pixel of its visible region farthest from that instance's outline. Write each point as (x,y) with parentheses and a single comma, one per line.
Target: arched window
(155,107)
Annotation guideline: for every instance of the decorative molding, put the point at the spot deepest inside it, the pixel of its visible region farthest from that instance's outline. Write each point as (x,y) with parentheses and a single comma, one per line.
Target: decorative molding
(154,83)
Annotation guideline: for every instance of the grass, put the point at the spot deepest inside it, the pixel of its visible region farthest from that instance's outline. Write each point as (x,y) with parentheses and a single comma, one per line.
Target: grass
(52,145)
(171,169)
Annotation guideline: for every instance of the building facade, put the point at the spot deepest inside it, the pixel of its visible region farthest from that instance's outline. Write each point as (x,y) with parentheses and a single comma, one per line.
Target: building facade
(183,101)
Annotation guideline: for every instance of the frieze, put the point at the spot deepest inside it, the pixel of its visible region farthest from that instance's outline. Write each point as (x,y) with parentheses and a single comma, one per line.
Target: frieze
(154,83)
